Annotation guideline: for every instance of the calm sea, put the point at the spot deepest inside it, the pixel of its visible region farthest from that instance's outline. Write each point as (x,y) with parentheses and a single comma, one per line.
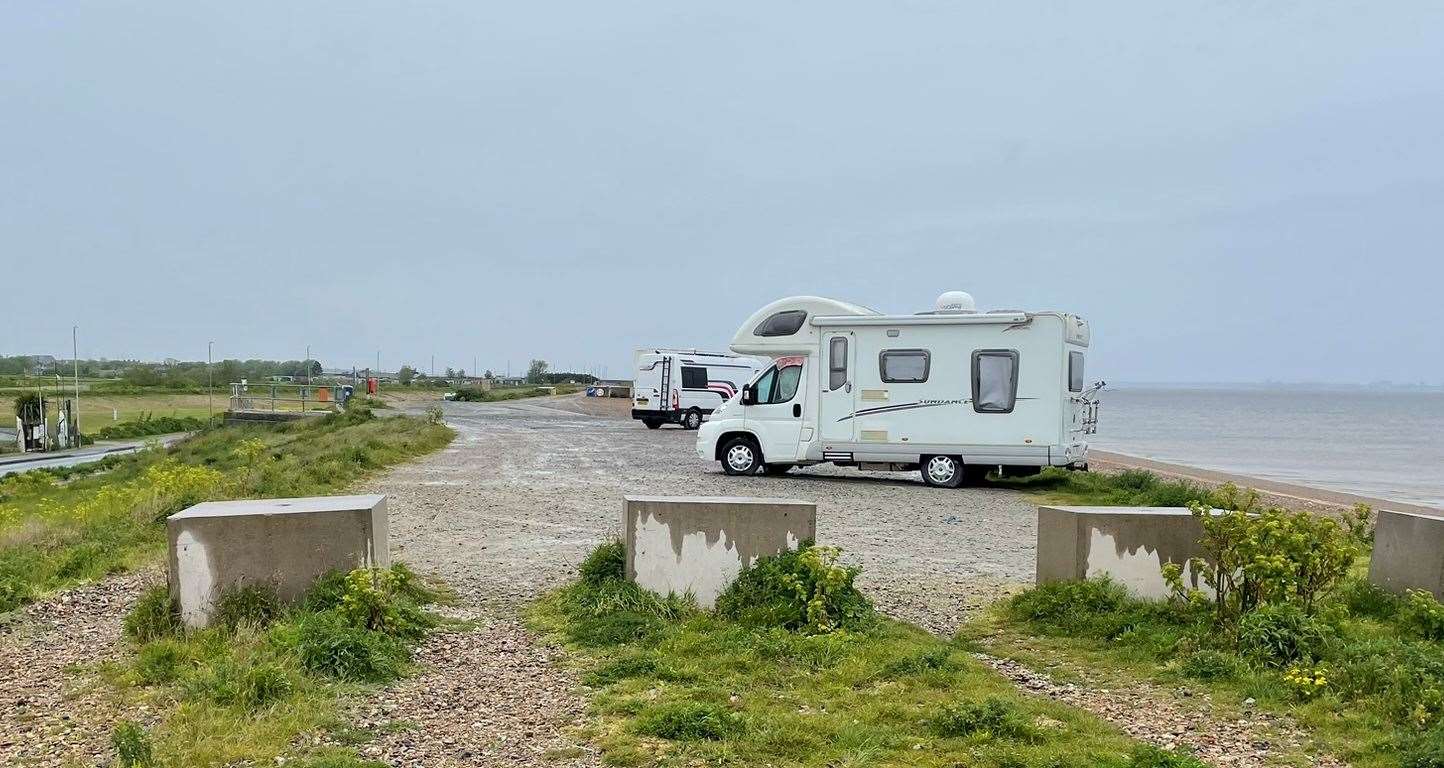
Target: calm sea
(1388,444)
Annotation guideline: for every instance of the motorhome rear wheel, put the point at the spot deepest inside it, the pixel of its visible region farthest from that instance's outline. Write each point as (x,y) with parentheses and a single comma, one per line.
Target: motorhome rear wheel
(942,471)
(692,419)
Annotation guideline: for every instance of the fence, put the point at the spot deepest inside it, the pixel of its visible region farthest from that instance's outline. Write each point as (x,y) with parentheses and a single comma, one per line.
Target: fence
(277,397)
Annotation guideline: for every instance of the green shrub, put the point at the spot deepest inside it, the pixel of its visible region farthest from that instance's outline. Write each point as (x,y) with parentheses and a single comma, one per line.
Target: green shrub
(160,662)
(805,590)
(1069,605)
(14,592)
(620,596)
(1362,598)
(691,721)
(147,425)
(153,617)
(132,744)
(374,600)
(328,645)
(607,562)
(1282,634)
(1211,665)
(996,717)
(1424,614)
(1149,756)
(326,593)
(252,605)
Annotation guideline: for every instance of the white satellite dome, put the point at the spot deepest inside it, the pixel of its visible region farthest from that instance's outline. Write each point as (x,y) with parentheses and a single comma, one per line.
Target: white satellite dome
(955,302)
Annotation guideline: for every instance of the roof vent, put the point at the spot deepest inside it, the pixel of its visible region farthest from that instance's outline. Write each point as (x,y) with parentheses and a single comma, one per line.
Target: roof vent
(955,302)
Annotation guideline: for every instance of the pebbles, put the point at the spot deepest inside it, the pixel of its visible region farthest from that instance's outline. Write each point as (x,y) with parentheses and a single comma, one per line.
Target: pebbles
(1161,718)
(51,712)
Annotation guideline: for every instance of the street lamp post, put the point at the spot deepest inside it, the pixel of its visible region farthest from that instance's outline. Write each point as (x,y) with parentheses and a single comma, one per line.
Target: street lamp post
(75,358)
(210,382)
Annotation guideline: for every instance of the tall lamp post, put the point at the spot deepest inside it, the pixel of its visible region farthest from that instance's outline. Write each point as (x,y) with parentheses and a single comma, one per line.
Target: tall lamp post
(75,358)
(210,382)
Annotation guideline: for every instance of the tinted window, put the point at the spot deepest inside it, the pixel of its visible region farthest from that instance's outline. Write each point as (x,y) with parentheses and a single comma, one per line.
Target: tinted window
(904,366)
(787,379)
(1075,371)
(995,380)
(836,363)
(781,324)
(694,378)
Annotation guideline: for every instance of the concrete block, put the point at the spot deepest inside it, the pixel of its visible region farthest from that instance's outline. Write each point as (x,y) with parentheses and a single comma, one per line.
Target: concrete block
(1408,552)
(1129,544)
(284,543)
(700,543)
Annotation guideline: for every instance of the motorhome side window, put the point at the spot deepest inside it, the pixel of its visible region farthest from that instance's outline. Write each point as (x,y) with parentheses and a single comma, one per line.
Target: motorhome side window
(995,380)
(904,366)
(783,323)
(694,378)
(1075,371)
(836,363)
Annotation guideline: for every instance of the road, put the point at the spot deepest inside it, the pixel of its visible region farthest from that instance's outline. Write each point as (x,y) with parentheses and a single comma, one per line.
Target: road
(528,487)
(25,462)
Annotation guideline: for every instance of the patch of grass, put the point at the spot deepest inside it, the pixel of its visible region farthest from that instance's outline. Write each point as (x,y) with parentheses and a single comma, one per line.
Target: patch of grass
(1131,487)
(133,748)
(693,687)
(992,717)
(691,721)
(250,605)
(607,562)
(1382,675)
(153,617)
(241,690)
(64,527)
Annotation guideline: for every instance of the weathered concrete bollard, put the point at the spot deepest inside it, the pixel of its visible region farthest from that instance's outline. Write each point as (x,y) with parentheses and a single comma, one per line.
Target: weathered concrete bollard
(700,543)
(1128,544)
(283,543)
(1408,553)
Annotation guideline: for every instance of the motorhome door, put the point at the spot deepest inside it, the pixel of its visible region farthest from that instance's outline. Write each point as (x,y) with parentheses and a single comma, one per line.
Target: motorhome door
(776,418)
(838,382)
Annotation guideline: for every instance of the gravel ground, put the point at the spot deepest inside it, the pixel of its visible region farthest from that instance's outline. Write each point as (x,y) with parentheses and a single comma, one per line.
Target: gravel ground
(51,712)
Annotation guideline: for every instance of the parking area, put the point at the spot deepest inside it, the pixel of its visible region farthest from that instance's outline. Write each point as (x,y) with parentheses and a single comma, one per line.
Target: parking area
(529,486)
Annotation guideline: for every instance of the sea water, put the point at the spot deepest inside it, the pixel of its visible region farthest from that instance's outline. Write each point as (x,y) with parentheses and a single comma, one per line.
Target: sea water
(1387,443)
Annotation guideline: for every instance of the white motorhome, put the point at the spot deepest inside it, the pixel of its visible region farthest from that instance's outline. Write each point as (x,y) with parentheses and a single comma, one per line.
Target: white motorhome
(953,393)
(683,386)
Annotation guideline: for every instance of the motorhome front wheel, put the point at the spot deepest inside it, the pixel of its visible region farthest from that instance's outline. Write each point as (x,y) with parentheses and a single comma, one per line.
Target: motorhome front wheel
(740,457)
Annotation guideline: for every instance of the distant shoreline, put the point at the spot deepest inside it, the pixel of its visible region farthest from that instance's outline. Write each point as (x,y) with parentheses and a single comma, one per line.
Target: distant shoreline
(1272,491)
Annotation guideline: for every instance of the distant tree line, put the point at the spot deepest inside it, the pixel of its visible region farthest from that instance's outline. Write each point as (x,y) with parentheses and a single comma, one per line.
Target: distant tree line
(171,374)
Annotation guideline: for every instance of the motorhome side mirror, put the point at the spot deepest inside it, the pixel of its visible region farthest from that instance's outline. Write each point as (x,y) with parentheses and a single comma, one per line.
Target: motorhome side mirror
(749,396)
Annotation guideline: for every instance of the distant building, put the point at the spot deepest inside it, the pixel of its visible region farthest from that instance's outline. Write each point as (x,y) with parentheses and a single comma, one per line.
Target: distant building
(510,381)
(39,364)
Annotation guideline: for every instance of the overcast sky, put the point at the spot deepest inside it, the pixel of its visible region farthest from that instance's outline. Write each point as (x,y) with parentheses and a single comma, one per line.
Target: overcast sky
(1238,191)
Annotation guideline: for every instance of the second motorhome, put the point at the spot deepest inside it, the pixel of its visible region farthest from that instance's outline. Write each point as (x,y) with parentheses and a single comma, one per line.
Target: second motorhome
(953,393)
(684,386)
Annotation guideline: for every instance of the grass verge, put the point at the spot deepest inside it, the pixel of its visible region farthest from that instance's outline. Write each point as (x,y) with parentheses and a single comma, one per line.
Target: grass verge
(242,690)
(64,527)
(795,669)
(1130,487)
(1364,675)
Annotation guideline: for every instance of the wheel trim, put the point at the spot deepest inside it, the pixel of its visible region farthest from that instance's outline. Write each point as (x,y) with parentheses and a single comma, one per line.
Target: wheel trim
(739,457)
(941,469)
